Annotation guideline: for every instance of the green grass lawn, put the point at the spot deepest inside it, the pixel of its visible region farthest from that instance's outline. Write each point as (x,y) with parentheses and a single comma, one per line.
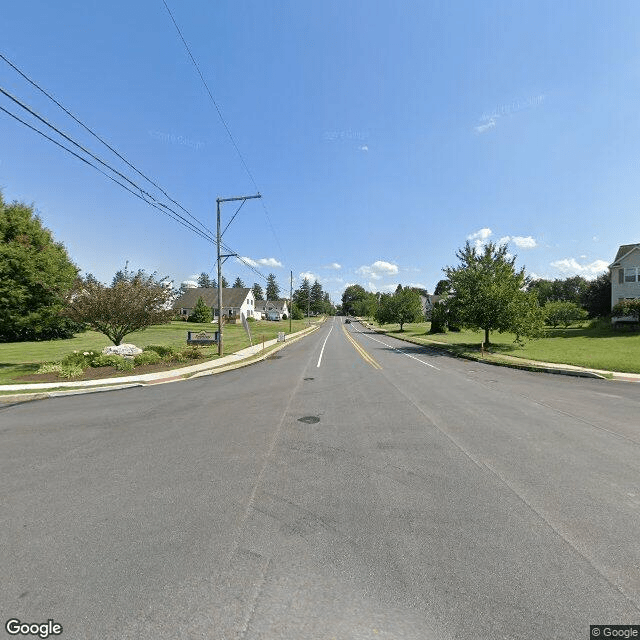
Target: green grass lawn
(21,358)
(595,347)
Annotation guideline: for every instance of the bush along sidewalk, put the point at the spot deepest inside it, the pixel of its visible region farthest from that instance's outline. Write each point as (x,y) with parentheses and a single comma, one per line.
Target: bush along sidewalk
(75,364)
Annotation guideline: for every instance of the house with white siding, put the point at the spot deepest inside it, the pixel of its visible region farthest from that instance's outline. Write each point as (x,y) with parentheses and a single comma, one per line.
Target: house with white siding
(625,274)
(234,302)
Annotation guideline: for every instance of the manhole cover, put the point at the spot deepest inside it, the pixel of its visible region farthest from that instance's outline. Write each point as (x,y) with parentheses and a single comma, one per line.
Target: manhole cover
(309,419)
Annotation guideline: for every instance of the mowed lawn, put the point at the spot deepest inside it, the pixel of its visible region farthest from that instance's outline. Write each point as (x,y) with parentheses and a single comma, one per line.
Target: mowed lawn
(21,358)
(597,347)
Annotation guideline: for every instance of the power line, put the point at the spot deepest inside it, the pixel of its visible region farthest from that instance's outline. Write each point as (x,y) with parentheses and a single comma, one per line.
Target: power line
(224,123)
(156,205)
(204,232)
(106,144)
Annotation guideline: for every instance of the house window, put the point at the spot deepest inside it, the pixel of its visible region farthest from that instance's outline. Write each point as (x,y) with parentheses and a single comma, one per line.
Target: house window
(630,274)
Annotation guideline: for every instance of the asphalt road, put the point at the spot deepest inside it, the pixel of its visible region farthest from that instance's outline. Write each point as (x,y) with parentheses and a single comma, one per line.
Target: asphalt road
(350,487)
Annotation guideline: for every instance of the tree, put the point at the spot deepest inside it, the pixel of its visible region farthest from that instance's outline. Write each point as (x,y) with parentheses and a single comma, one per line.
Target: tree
(567,290)
(403,306)
(205,281)
(350,297)
(296,313)
(302,295)
(36,273)
(562,312)
(257,291)
(273,290)
(201,312)
(238,284)
(488,293)
(132,304)
(442,288)
(596,298)
(225,283)
(316,297)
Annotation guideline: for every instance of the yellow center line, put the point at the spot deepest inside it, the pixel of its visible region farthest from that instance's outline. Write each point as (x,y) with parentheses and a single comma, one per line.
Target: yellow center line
(365,356)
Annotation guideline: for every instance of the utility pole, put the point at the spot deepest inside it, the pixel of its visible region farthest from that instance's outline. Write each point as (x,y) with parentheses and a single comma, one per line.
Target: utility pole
(220,256)
(290,301)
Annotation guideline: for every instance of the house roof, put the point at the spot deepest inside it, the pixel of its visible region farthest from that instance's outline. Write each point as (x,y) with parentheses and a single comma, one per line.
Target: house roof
(231,297)
(623,251)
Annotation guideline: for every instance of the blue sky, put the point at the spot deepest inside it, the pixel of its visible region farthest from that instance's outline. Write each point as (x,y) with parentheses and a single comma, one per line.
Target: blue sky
(382,135)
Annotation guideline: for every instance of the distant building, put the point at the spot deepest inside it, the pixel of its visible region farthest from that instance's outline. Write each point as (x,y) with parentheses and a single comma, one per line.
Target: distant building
(625,274)
(272,309)
(234,302)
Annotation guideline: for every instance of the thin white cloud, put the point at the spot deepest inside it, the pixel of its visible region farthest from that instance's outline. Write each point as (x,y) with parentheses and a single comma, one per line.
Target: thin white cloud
(363,148)
(571,267)
(385,288)
(309,276)
(191,284)
(264,262)
(504,240)
(378,270)
(333,265)
(416,285)
(482,128)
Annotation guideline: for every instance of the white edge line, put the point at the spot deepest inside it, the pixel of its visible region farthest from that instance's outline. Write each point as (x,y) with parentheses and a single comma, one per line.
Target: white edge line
(323,346)
(399,351)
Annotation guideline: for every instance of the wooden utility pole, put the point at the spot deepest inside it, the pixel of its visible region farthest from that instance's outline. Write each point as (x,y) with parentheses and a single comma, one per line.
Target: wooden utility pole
(220,257)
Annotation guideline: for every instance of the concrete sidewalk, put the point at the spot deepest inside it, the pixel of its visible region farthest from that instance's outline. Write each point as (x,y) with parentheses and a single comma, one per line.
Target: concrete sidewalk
(241,358)
(501,360)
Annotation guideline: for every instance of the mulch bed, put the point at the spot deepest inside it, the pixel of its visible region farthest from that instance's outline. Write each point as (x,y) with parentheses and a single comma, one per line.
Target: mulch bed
(98,373)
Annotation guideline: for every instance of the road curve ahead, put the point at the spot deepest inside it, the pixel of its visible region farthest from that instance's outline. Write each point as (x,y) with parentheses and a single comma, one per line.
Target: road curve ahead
(350,486)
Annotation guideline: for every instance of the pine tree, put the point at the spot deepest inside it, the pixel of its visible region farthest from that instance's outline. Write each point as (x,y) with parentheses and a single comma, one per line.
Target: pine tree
(273,290)
(204,281)
(238,284)
(201,312)
(258,294)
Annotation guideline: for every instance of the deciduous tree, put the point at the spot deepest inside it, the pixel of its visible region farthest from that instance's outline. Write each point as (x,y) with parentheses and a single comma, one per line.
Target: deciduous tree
(35,275)
(138,301)
(487,292)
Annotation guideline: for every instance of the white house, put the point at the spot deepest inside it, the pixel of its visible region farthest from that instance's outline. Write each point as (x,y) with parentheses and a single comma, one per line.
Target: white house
(625,274)
(272,309)
(234,302)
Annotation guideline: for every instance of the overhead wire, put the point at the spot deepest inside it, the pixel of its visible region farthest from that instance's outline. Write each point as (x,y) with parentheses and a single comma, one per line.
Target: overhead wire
(100,139)
(142,194)
(224,123)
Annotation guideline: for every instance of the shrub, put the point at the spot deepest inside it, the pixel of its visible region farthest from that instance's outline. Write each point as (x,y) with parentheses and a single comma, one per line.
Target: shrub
(627,308)
(251,319)
(161,350)
(70,371)
(192,352)
(147,357)
(79,358)
(49,367)
(120,363)
(564,313)
(438,319)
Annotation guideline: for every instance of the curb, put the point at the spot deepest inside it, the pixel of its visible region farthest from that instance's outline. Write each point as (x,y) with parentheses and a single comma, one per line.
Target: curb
(9,400)
(541,368)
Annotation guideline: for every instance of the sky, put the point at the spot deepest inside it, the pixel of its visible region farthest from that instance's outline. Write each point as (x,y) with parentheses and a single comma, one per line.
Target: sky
(381,135)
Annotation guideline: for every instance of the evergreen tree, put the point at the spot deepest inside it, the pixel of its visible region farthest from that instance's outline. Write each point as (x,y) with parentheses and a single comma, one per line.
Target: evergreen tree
(302,295)
(36,273)
(204,281)
(201,312)
(238,284)
(258,294)
(273,290)
(225,283)
(316,297)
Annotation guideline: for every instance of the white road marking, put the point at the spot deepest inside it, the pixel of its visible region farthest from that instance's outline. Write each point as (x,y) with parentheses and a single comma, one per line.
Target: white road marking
(404,353)
(323,346)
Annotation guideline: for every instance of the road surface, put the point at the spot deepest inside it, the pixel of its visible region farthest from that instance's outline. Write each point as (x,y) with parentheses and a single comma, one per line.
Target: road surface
(350,486)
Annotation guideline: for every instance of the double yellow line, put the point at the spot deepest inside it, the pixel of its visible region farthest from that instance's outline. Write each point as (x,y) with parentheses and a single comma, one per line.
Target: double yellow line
(365,356)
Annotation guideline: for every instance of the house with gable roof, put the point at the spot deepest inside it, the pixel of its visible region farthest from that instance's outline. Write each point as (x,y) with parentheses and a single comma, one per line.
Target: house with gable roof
(272,309)
(625,274)
(235,301)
